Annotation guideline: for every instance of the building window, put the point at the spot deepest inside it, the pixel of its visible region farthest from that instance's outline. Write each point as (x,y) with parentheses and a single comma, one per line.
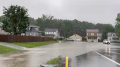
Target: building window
(92,37)
(89,34)
(95,34)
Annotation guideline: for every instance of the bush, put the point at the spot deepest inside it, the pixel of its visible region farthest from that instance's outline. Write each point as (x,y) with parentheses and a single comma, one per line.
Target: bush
(60,38)
(56,39)
(54,61)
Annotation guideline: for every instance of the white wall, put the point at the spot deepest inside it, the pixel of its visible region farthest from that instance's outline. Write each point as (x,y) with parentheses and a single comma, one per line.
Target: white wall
(54,33)
(2,31)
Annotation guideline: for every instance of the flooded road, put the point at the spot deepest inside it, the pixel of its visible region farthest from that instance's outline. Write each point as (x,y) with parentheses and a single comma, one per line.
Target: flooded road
(35,56)
(91,59)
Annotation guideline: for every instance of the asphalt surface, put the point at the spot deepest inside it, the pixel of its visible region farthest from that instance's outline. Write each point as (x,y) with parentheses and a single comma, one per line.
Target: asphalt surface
(100,58)
(91,59)
(81,53)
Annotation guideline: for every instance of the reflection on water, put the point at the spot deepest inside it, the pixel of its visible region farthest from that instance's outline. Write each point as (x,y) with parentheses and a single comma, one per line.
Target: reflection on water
(92,59)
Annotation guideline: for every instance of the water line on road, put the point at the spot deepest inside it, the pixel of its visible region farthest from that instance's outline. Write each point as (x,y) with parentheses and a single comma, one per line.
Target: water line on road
(107,58)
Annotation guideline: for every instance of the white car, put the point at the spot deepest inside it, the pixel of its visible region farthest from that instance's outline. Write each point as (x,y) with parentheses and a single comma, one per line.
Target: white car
(106,41)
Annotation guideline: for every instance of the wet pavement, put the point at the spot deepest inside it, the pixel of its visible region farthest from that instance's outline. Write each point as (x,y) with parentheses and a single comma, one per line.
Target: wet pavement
(91,59)
(114,54)
(99,58)
(79,52)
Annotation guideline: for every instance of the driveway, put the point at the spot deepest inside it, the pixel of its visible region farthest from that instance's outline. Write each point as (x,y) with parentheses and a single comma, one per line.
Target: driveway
(12,46)
(36,56)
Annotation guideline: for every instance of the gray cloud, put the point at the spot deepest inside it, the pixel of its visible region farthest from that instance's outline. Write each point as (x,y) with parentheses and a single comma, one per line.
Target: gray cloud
(96,11)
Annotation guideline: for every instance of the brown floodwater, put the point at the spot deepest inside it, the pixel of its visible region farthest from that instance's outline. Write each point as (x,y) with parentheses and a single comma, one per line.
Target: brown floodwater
(34,57)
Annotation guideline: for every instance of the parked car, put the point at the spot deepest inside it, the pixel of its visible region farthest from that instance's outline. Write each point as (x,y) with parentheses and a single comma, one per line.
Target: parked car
(106,41)
(69,39)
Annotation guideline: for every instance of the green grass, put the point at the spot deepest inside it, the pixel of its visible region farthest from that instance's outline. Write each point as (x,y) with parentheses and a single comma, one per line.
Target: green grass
(4,49)
(34,44)
(54,61)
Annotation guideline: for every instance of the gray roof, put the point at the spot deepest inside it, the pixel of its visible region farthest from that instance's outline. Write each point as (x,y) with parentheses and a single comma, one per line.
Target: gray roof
(92,30)
(99,34)
(50,29)
(32,25)
(33,30)
(109,33)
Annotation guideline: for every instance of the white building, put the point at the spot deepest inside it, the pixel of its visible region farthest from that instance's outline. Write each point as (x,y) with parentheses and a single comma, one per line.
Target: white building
(32,30)
(52,32)
(113,37)
(1,30)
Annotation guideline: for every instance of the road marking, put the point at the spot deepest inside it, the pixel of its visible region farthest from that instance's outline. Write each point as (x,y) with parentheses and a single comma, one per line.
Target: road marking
(107,58)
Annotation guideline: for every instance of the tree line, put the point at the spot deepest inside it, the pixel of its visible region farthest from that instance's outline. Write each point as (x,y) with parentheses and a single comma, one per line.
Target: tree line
(70,27)
(16,20)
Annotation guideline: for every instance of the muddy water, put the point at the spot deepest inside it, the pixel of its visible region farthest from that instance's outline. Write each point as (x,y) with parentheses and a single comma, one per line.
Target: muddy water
(35,56)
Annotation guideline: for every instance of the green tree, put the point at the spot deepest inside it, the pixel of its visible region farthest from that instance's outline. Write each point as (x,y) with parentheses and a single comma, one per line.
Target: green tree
(104,35)
(43,33)
(0,19)
(16,19)
(117,26)
(108,28)
(32,20)
(117,29)
(70,27)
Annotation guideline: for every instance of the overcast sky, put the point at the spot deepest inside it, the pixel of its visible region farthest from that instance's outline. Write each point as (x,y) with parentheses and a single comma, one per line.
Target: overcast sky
(95,11)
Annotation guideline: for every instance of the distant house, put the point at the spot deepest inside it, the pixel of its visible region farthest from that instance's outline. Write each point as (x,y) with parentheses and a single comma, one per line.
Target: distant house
(76,37)
(92,35)
(32,30)
(113,37)
(1,30)
(52,32)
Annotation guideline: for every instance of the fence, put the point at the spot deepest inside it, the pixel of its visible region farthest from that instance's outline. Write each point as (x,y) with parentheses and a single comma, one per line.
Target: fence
(19,38)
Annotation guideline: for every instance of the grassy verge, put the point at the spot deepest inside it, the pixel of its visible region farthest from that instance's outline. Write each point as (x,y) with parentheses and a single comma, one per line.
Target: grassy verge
(34,44)
(54,61)
(4,49)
